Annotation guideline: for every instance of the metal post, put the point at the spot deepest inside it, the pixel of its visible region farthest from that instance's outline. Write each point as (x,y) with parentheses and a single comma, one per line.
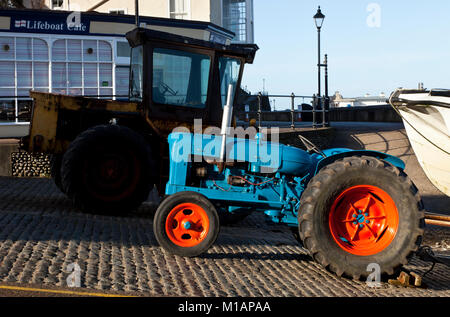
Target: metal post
(318,18)
(326,113)
(292,110)
(314,103)
(318,64)
(324,101)
(259,110)
(136,9)
(319,91)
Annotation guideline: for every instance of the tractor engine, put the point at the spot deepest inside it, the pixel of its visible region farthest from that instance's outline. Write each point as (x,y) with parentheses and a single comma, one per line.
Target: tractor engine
(256,174)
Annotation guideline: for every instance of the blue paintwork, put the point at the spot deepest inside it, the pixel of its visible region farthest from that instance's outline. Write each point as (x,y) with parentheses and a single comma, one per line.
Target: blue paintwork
(339,153)
(275,175)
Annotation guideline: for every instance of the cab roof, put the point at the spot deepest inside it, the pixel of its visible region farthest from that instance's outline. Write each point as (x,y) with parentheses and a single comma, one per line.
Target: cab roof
(139,36)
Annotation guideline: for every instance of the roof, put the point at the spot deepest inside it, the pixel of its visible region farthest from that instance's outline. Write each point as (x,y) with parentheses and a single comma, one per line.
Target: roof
(139,36)
(54,22)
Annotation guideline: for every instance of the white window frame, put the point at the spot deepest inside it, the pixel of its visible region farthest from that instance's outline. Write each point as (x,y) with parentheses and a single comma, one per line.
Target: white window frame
(32,61)
(249,27)
(50,39)
(97,62)
(121,60)
(188,9)
(57,8)
(125,10)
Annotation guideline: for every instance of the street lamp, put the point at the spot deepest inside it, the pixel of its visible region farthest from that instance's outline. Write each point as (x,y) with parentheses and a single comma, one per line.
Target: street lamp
(318,19)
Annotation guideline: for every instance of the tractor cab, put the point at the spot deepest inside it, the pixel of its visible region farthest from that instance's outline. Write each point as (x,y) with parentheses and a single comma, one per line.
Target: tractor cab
(178,79)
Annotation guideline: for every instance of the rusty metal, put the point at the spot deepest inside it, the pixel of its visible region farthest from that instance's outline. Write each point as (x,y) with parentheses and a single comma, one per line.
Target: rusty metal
(47,106)
(437,220)
(437,223)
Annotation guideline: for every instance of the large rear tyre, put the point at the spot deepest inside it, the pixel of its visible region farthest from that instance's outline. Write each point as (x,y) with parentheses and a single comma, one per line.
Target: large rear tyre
(55,170)
(186,224)
(358,211)
(108,169)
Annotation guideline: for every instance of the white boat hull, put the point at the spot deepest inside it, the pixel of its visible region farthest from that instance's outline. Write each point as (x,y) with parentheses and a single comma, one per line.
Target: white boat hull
(427,123)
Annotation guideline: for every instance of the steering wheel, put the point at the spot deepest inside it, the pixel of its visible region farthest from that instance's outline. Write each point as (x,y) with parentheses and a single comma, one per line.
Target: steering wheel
(310,147)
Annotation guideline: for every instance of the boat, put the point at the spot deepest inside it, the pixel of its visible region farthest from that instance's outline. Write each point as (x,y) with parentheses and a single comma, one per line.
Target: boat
(426,116)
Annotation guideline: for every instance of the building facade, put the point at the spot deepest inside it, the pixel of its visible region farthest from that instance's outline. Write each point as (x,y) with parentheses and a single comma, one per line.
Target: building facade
(234,15)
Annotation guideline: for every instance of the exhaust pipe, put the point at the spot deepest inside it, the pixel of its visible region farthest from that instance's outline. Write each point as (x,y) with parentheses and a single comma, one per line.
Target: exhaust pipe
(226,123)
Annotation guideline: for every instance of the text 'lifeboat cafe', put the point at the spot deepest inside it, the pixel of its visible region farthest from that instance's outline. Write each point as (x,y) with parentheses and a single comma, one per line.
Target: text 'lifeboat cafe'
(72,53)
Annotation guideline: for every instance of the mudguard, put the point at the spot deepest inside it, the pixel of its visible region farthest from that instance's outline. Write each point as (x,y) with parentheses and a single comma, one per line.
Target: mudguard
(333,155)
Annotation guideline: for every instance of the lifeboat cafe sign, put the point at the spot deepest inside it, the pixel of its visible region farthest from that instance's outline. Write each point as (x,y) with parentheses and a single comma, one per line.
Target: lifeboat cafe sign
(83,23)
(67,24)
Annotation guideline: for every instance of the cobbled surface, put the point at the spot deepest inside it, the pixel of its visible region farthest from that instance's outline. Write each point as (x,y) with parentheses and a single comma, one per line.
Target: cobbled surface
(41,234)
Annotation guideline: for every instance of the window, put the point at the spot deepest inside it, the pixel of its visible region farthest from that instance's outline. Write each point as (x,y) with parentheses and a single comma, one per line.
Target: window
(122,81)
(179,9)
(82,67)
(136,69)
(57,3)
(117,11)
(235,18)
(24,66)
(229,75)
(123,49)
(180,78)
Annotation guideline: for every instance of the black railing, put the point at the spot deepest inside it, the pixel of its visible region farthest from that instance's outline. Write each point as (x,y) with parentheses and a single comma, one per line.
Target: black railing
(318,108)
(17,109)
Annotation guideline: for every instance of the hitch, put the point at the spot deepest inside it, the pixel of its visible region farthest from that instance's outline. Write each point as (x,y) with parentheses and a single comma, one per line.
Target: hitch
(426,254)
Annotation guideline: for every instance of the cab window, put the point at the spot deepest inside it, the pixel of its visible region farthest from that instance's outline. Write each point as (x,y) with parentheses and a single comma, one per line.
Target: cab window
(229,74)
(180,78)
(136,73)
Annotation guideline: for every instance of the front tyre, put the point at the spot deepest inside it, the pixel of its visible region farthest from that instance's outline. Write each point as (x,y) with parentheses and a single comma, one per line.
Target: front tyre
(186,224)
(358,211)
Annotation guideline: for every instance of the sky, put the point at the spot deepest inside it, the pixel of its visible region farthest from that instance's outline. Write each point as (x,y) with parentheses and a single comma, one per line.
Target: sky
(372,46)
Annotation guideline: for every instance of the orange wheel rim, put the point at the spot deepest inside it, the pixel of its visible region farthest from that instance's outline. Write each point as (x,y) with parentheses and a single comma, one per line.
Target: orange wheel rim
(363,220)
(187,225)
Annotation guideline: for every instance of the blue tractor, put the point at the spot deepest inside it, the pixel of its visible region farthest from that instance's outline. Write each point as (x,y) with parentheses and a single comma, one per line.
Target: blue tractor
(350,208)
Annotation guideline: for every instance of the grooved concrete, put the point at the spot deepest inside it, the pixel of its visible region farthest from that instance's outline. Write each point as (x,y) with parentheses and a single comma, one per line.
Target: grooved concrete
(41,234)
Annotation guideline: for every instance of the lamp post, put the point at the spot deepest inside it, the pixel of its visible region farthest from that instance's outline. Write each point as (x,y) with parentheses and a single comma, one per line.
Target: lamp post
(318,19)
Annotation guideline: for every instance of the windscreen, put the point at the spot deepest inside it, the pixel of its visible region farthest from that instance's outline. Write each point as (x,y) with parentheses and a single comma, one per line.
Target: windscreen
(180,78)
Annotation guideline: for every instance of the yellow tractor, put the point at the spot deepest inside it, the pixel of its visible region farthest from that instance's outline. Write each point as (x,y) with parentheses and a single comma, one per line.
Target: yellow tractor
(106,154)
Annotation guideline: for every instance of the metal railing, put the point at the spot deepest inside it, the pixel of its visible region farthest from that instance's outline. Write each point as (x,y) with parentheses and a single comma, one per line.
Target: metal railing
(11,111)
(320,108)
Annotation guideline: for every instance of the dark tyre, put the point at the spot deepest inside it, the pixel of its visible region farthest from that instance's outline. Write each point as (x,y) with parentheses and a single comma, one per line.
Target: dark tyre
(55,170)
(358,211)
(108,169)
(186,224)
